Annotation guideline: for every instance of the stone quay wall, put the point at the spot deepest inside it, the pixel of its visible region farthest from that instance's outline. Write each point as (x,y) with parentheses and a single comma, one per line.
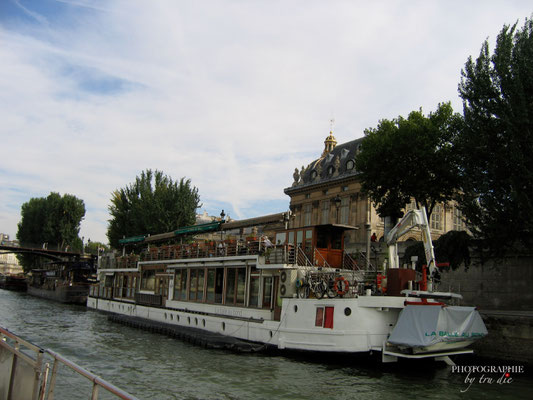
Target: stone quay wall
(502,289)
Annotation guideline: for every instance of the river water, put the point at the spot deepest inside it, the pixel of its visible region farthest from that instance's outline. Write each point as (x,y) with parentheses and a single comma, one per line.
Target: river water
(153,366)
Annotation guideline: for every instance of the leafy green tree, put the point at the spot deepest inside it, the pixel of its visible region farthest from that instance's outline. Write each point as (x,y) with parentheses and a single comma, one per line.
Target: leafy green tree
(496,147)
(408,158)
(52,222)
(96,247)
(153,204)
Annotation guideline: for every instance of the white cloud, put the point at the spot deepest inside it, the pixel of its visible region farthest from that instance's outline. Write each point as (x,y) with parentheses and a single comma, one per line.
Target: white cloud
(233,95)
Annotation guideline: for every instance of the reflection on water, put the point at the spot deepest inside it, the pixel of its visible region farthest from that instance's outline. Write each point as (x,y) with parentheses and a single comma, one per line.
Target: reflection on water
(152,366)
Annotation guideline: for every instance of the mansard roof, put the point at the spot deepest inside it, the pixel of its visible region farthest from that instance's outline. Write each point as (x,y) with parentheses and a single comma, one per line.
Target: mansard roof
(337,164)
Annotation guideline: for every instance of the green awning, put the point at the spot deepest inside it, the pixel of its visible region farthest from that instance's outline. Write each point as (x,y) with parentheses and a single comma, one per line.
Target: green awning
(134,239)
(186,230)
(211,226)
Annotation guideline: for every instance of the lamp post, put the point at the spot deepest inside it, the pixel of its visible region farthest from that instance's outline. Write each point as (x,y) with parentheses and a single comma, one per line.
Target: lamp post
(222,216)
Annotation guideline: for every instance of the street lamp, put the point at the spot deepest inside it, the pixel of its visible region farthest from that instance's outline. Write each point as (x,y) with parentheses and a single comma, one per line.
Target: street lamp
(222,216)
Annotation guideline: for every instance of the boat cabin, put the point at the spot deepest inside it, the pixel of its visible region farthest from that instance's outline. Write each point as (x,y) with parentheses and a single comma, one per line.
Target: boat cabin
(323,245)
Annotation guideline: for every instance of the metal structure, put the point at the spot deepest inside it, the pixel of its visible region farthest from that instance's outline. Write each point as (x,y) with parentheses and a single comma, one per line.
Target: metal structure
(25,371)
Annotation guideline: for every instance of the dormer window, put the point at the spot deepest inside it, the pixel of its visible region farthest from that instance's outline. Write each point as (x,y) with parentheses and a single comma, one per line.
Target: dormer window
(350,164)
(344,153)
(313,174)
(331,170)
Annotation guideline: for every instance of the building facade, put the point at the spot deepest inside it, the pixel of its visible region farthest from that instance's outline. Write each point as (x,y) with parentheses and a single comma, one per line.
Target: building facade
(328,191)
(9,264)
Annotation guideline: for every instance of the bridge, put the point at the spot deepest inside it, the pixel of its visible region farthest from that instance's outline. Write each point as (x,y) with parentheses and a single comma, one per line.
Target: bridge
(57,255)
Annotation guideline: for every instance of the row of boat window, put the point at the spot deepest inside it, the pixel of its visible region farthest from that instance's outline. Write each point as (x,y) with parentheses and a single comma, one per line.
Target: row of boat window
(221,285)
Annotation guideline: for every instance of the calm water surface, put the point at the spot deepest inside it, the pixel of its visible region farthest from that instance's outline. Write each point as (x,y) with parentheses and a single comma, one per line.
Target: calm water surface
(152,366)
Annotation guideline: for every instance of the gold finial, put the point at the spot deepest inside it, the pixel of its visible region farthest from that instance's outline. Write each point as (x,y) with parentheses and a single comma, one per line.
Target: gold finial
(330,142)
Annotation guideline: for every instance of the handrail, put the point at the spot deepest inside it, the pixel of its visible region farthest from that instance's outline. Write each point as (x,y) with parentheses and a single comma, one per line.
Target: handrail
(42,389)
(97,381)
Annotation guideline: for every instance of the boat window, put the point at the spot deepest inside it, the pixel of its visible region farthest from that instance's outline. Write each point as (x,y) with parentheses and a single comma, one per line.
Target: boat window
(336,240)
(321,239)
(200,294)
(148,280)
(267,292)
(281,237)
(210,296)
(241,284)
(324,317)
(125,292)
(180,284)
(291,237)
(319,318)
(299,237)
(219,285)
(193,284)
(230,286)
(254,291)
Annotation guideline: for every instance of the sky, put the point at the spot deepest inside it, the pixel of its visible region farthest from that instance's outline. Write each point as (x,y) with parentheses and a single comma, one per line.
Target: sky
(233,95)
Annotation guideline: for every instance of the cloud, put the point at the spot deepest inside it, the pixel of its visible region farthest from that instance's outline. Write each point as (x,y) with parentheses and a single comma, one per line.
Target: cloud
(233,95)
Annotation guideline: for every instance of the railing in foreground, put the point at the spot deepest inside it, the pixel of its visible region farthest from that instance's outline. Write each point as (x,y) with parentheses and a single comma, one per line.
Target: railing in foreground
(25,374)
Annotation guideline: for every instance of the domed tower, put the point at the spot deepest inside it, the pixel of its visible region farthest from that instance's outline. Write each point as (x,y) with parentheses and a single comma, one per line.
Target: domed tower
(329,144)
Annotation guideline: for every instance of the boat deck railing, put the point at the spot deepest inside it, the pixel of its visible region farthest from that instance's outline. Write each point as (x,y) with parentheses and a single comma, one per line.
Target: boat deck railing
(273,254)
(26,371)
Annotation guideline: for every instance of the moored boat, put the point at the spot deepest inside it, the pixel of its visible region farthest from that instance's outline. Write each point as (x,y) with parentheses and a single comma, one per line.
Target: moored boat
(16,282)
(297,290)
(63,281)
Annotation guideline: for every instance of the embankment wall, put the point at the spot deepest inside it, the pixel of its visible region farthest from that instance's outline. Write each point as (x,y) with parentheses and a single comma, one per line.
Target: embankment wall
(502,289)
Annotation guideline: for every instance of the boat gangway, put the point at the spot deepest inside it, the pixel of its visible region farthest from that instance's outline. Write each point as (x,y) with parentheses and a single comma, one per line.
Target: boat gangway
(29,372)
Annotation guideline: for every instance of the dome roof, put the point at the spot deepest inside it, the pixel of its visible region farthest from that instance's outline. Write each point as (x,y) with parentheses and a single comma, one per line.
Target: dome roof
(337,163)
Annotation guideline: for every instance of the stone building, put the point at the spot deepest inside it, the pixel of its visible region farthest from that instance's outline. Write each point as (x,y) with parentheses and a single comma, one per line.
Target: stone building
(328,191)
(9,263)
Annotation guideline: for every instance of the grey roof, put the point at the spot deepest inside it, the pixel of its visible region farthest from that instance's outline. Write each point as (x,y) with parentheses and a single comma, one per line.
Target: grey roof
(339,163)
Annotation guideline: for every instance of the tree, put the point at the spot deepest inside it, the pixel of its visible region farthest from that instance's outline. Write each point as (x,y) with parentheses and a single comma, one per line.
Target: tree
(410,158)
(153,204)
(52,221)
(496,146)
(96,247)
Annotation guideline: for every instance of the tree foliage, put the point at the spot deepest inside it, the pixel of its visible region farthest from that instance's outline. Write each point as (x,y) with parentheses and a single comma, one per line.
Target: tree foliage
(153,204)
(408,158)
(453,247)
(53,222)
(496,146)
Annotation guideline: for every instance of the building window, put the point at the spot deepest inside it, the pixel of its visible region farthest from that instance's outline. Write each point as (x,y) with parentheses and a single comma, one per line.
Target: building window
(325,212)
(308,208)
(345,210)
(331,170)
(458,222)
(350,164)
(436,218)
